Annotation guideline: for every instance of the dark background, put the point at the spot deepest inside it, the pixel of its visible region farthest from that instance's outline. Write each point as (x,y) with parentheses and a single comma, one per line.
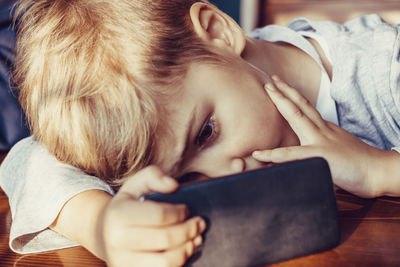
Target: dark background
(231,7)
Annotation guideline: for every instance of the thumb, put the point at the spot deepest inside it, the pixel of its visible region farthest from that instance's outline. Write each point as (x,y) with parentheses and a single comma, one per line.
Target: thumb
(148,180)
(284,154)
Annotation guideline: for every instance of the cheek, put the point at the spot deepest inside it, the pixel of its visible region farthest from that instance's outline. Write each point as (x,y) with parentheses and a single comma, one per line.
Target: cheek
(266,129)
(251,124)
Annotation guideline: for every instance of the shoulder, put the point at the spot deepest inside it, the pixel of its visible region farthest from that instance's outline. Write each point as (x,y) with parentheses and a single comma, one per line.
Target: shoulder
(363,32)
(366,40)
(26,151)
(365,23)
(29,163)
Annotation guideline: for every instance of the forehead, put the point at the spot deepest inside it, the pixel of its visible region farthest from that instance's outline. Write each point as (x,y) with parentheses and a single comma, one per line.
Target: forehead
(171,138)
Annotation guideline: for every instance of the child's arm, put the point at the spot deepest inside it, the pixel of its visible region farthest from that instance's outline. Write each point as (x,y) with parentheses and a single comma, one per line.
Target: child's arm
(356,167)
(44,192)
(122,229)
(38,186)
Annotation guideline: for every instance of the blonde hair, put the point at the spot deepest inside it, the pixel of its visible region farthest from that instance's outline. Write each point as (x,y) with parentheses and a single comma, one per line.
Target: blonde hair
(91,73)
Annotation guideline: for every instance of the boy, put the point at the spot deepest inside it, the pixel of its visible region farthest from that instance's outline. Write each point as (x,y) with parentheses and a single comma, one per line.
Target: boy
(112,88)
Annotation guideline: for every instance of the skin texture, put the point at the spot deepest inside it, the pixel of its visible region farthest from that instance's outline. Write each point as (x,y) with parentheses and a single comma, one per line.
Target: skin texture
(229,102)
(123,230)
(356,167)
(222,115)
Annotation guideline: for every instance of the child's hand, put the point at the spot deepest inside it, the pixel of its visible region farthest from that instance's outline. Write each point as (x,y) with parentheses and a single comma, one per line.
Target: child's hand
(147,233)
(355,166)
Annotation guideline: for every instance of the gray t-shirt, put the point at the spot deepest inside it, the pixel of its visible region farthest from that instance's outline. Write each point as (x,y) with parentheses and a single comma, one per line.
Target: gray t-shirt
(37,186)
(365,56)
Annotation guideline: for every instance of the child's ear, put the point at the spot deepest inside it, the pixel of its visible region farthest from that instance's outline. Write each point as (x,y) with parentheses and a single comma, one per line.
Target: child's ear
(214,26)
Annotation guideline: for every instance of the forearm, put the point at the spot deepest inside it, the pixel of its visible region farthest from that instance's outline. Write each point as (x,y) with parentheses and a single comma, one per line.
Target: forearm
(80,220)
(387,172)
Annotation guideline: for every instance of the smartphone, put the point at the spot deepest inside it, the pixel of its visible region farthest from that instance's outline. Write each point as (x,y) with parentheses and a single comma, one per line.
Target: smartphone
(263,216)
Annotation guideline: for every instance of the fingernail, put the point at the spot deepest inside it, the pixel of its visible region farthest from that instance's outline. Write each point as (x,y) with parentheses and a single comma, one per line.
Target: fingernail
(269,87)
(275,77)
(256,154)
(169,181)
(202,225)
(197,241)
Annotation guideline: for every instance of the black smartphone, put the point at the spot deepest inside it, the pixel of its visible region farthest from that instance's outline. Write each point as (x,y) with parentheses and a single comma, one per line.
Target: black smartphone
(263,216)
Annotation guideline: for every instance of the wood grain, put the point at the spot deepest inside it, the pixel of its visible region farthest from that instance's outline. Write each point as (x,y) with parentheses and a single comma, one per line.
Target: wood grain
(283,11)
(370,235)
(2,156)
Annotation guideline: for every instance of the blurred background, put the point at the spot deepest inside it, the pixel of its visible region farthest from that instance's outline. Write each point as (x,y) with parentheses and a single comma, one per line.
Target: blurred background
(255,13)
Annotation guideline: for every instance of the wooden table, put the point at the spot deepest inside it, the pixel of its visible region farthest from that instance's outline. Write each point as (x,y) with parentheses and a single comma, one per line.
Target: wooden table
(370,236)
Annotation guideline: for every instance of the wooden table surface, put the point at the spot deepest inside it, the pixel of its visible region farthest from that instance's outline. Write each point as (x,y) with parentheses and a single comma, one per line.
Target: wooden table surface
(370,236)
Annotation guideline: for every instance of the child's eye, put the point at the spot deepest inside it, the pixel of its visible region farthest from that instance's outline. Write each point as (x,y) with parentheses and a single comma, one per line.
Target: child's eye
(207,133)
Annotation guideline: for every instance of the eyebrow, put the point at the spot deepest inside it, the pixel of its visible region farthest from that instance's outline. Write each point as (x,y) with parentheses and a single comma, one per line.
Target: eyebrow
(187,134)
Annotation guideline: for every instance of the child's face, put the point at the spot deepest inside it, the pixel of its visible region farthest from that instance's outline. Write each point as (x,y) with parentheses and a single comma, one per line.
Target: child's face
(219,118)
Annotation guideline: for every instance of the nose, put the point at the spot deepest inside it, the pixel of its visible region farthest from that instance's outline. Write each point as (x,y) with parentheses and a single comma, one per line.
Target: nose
(237,165)
(234,165)
(252,164)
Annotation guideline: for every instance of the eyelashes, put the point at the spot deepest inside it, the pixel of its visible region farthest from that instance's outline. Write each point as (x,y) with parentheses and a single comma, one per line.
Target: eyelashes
(208,132)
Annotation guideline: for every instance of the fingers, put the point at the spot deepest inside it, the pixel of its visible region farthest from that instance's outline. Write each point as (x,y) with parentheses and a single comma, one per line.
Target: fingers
(149,233)
(149,213)
(163,246)
(127,208)
(147,180)
(301,102)
(176,256)
(297,120)
(160,238)
(299,113)
(284,154)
